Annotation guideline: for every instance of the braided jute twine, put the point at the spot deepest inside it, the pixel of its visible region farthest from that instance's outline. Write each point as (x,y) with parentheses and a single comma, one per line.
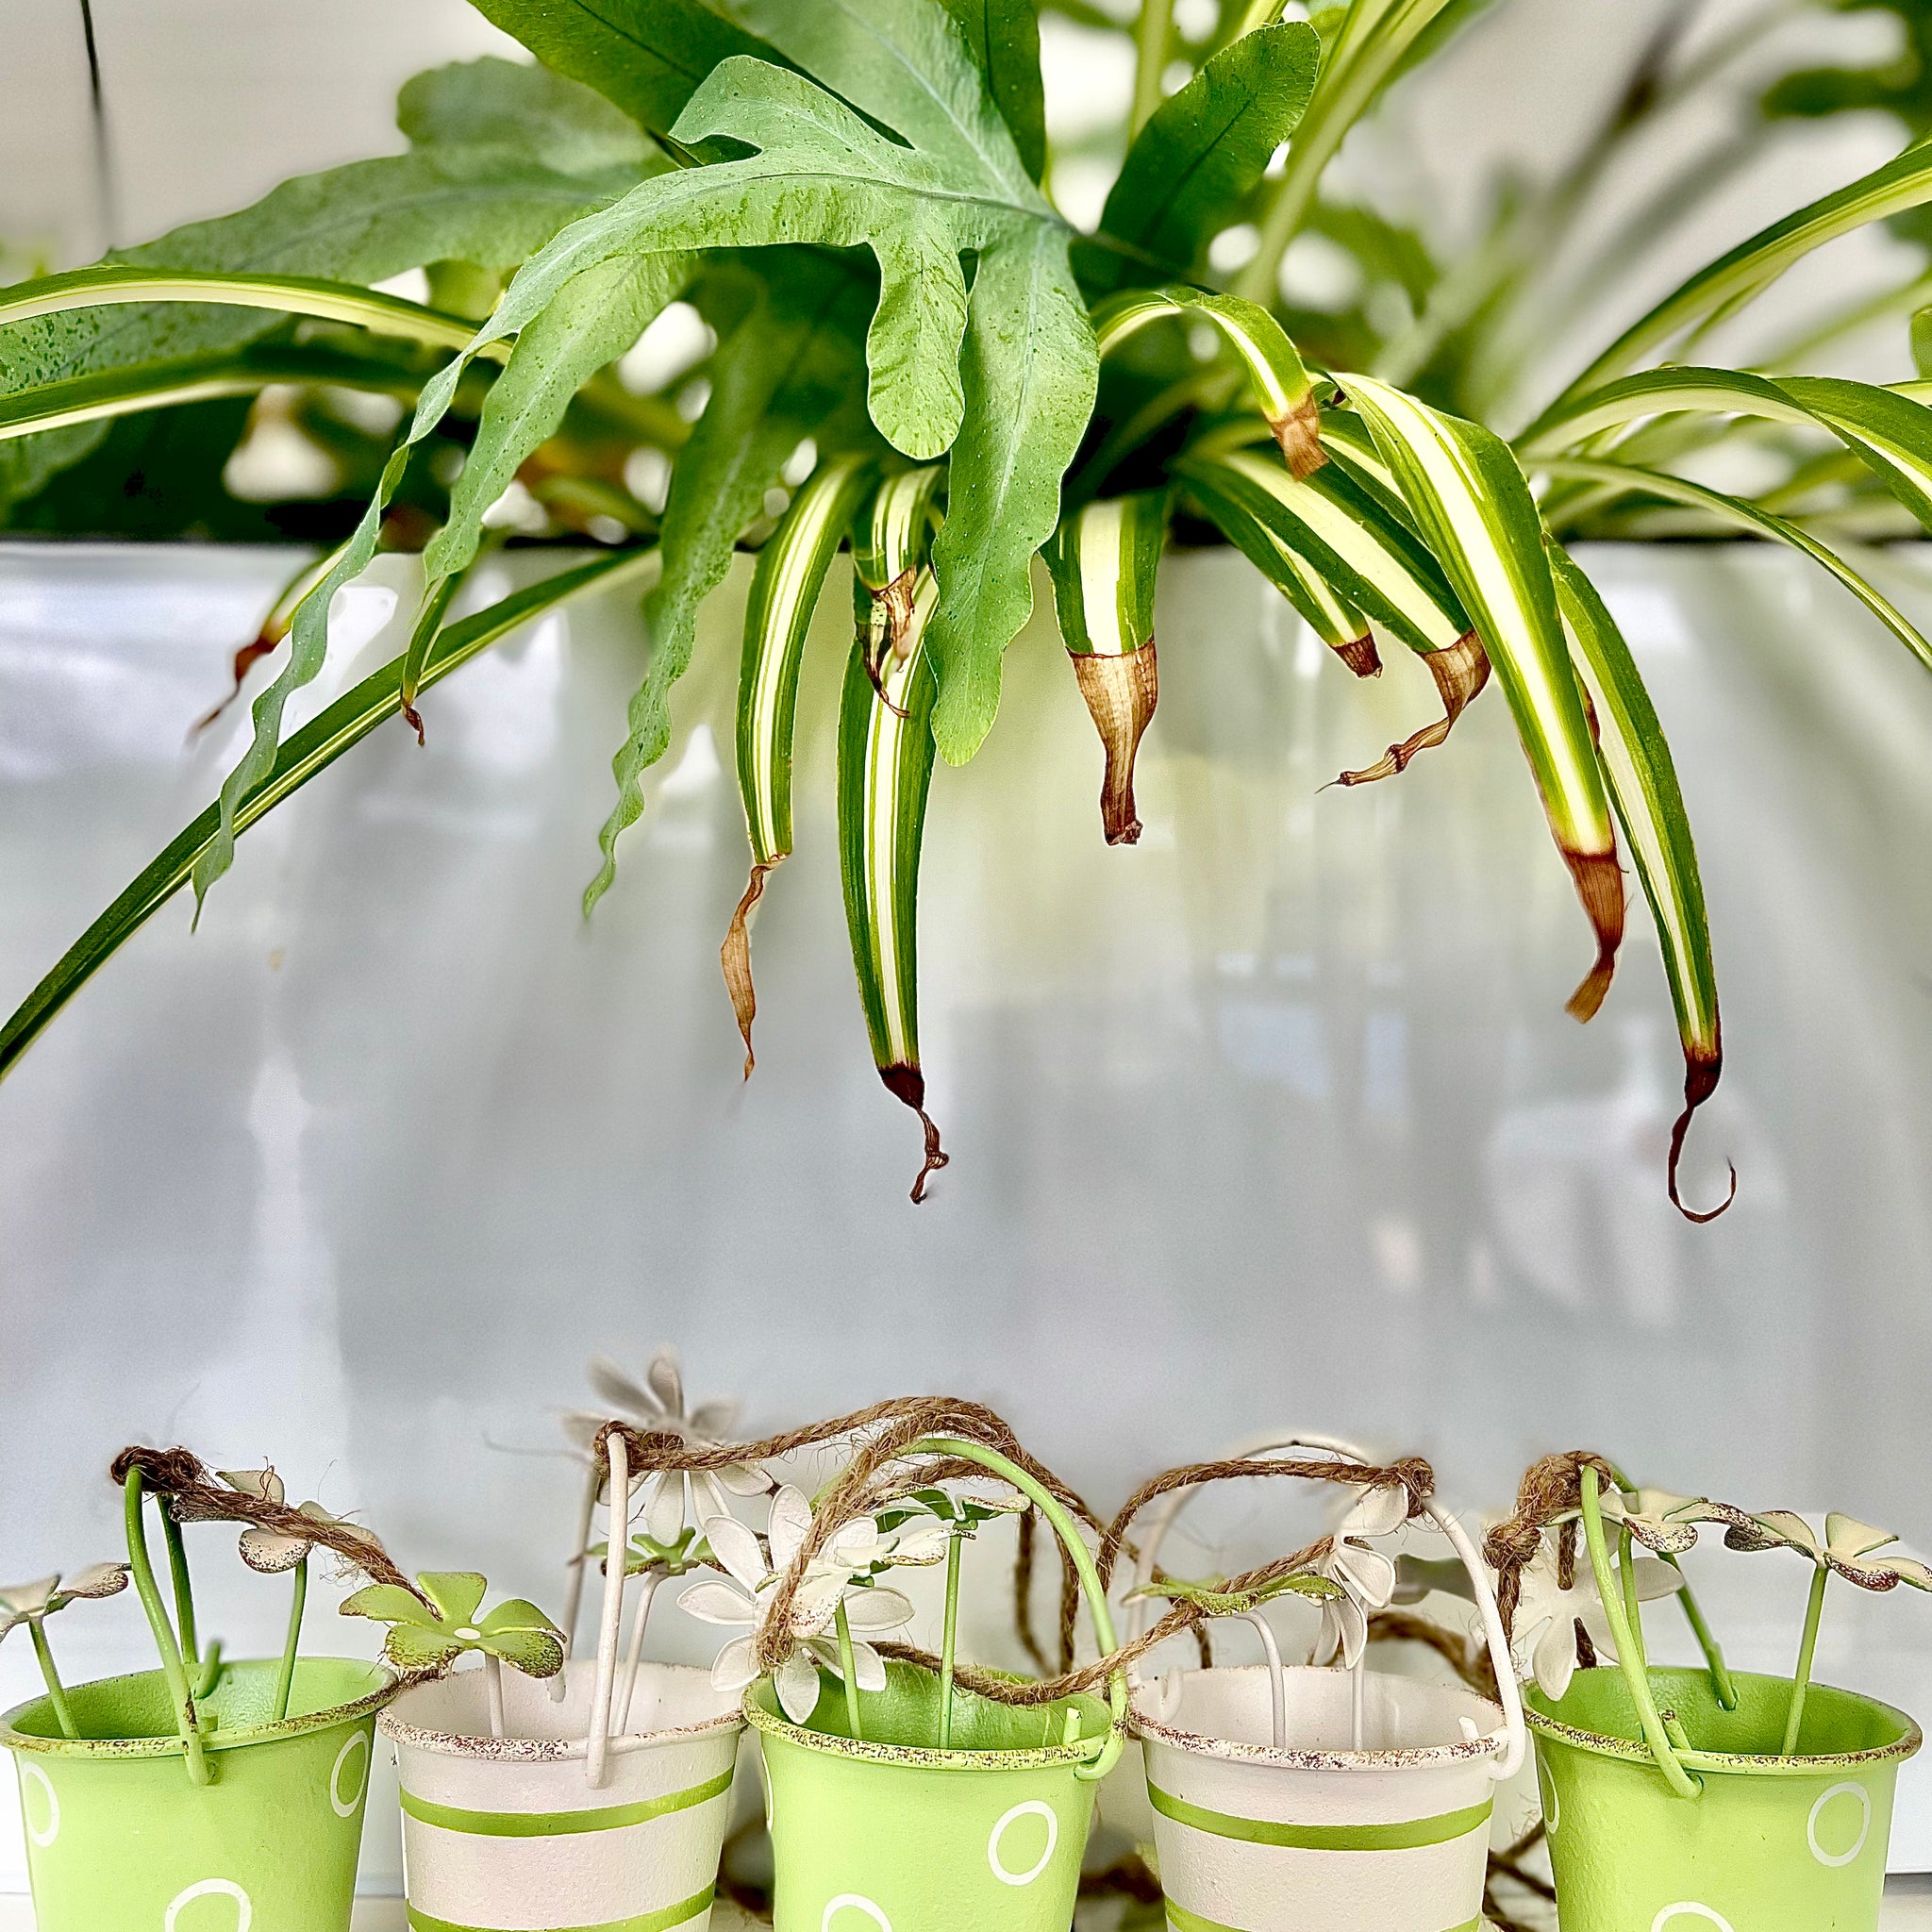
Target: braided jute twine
(190,1494)
(884,1468)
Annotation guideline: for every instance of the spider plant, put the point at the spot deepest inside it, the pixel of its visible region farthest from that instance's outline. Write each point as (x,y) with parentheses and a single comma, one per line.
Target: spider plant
(911,349)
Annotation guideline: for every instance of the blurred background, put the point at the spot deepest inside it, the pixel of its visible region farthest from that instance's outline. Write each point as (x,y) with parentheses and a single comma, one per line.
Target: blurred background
(1272,1119)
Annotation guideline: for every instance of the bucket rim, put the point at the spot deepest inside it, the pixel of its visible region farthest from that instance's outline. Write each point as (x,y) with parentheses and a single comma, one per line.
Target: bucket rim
(923,1756)
(1411,1757)
(397,1729)
(1736,1763)
(109,1749)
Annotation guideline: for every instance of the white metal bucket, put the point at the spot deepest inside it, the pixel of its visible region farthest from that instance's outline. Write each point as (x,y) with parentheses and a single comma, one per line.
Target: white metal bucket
(1392,1837)
(508,1835)
(594,1803)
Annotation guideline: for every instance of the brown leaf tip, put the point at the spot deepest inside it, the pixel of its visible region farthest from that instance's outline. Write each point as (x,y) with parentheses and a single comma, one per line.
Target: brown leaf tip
(1360,656)
(734,956)
(1299,433)
(907,1085)
(1701,1073)
(1120,694)
(1599,881)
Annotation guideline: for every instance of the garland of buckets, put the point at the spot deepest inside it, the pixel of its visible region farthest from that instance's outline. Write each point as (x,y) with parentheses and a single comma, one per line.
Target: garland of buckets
(910,1791)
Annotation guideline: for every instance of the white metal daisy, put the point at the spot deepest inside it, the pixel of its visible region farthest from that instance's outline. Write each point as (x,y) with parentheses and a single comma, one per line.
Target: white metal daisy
(272,1551)
(31,1602)
(743,1598)
(1544,1646)
(1367,1577)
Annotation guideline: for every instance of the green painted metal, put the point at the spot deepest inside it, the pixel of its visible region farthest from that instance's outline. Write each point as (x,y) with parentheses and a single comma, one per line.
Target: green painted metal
(118,1837)
(1404,1836)
(560,1824)
(680,1914)
(1770,1844)
(1184,1921)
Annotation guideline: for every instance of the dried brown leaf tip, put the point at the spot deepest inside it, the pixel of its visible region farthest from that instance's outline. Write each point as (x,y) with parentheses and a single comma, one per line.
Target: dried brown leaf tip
(907,1085)
(1299,433)
(889,634)
(1599,881)
(1360,656)
(734,956)
(1461,671)
(1120,694)
(1701,1074)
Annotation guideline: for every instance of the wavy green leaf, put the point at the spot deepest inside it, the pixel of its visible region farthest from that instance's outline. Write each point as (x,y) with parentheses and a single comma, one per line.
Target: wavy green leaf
(777,378)
(1476,515)
(1642,782)
(1192,167)
(317,745)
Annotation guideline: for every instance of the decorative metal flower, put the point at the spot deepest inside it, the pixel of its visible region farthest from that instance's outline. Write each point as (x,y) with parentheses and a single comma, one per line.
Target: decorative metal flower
(1365,1578)
(1848,1548)
(1544,1643)
(1655,1518)
(425,1636)
(271,1551)
(31,1602)
(743,1598)
(963,1514)
(671,1499)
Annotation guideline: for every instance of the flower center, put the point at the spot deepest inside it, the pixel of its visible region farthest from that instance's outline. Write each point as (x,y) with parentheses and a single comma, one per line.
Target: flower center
(468,1633)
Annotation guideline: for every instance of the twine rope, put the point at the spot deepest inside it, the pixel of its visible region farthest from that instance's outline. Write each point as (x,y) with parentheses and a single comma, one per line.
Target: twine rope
(1550,1488)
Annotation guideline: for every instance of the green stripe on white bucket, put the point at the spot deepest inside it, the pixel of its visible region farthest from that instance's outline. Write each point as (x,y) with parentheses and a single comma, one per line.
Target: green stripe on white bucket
(560,1824)
(1400,1837)
(684,1914)
(1184,1921)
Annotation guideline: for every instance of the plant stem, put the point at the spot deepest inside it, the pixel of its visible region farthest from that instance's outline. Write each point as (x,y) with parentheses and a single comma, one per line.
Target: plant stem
(947,1646)
(1150,39)
(647,1589)
(1801,1679)
(143,1568)
(573,1589)
(56,1692)
(184,1587)
(848,1665)
(492,1685)
(1707,1642)
(1633,1607)
(286,1681)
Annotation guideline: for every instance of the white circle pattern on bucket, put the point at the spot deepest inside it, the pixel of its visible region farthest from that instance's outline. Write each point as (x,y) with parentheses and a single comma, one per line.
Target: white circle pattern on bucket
(1032,1808)
(855,1902)
(1689,1910)
(42,1835)
(1844,1791)
(212,1887)
(345,1807)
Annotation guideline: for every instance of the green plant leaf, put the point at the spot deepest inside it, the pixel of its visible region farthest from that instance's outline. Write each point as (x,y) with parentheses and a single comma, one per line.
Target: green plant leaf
(1003,37)
(784,593)
(1735,510)
(595,317)
(775,379)
(1476,515)
(1277,375)
(1892,434)
(647,55)
(1724,285)
(885,776)
(492,174)
(311,750)
(1642,783)
(1191,169)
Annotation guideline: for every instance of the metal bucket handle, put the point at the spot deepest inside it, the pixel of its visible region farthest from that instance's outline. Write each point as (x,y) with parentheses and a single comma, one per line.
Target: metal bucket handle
(1515,1730)
(1064,1528)
(180,1695)
(1629,1642)
(610,1616)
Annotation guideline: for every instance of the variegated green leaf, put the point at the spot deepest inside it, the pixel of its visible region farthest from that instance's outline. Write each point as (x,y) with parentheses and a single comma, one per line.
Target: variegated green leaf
(1104,560)
(1723,286)
(1889,432)
(886,755)
(312,749)
(1276,373)
(784,593)
(1629,478)
(1642,783)
(1475,512)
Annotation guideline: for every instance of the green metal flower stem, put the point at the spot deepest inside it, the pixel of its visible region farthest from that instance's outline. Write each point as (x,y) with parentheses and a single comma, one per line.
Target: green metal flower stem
(1628,1643)
(950,1638)
(1693,1614)
(56,1692)
(172,1668)
(183,1588)
(1064,1528)
(1633,1603)
(285,1682)
(848,1664)
(1151,40)
(1800,1677)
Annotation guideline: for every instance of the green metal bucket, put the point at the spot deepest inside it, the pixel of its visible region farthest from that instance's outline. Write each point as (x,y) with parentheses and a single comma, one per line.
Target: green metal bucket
(1767,1844)
(890,1834)
(120,1838)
